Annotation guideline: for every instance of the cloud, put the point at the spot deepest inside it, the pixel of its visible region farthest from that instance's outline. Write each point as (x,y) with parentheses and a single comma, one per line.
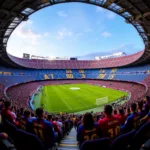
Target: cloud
(26,32)
(62,14)
(61,34)
(106,34)
(46,34)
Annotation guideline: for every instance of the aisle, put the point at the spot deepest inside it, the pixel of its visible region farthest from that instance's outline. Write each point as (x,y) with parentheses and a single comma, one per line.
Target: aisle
(69,142)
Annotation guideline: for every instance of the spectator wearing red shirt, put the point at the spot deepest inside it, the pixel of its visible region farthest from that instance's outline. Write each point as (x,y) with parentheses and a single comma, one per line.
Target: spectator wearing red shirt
(110,124)
(55,126)
(7,114)
(122,117)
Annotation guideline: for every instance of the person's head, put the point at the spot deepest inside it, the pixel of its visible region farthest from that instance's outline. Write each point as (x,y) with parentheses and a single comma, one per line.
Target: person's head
(7,104)
(26,113)
(49,117)
(146,99)
(21,110)
(95,118)
(56,118)
(133,107)
(140,105)
(32,114)
(115,112)
(88,121)
(121,111)
(108,110)
(40,112)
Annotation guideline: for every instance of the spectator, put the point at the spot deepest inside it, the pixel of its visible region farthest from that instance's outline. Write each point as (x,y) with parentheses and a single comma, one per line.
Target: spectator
(50,119)
(43,129)
(122,117)
(132,120)
(110,124)
(7,114)
(13,112)
(59,124)
(146,104)
(140,109)
(89,130)
(26,122)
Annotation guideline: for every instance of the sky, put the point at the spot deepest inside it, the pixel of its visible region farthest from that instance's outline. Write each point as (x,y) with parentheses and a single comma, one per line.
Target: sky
(74,30)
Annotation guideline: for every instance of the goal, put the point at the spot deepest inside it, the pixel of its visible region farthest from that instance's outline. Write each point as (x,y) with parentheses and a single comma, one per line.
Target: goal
(101,101)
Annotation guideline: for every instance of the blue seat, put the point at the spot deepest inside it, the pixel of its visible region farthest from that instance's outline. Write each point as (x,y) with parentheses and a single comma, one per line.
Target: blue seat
(99,144)
(141,136)
(28,141)
(123,141)
(11,130)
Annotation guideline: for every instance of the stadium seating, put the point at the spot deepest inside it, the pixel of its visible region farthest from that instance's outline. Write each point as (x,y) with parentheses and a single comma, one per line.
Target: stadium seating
(28,141)
(76,64)
(103,144)
(123,141)
(141,136)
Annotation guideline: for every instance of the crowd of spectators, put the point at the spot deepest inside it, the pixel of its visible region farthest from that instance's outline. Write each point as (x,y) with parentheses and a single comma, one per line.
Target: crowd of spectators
(51,128)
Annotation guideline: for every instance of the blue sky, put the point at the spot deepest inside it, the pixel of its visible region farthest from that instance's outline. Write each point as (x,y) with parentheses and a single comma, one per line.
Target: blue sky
(74,29)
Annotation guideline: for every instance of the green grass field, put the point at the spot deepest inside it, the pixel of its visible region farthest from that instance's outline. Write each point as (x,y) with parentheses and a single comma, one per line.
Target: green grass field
(60,98)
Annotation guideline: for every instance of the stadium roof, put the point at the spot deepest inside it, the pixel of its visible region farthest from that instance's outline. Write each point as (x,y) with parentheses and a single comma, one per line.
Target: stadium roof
(13,12)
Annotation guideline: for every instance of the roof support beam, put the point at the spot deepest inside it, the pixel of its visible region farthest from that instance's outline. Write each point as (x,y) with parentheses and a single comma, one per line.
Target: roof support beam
(5,11)
(109,2)
(146,14)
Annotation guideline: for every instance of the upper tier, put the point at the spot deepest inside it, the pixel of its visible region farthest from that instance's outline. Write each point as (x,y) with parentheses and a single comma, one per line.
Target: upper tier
(76,64)
(135,12)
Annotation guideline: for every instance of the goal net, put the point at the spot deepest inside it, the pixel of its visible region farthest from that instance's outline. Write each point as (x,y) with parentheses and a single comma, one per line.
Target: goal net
(101,101)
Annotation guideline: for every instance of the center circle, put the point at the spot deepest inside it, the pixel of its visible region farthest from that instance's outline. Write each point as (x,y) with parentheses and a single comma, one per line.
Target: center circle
(74,88)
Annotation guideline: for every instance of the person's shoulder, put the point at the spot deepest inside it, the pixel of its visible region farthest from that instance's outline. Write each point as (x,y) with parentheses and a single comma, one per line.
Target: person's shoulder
(116,116)
(102,121)
(131,116)
(47,122)
(81,127)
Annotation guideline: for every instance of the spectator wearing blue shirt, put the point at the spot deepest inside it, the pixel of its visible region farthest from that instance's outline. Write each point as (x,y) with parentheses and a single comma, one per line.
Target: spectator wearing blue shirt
(132,120)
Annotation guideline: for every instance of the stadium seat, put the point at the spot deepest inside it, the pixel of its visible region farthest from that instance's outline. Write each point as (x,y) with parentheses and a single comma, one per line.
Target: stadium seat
(141,136)
(28,141)
(11,130)
(99,144)
(123,141)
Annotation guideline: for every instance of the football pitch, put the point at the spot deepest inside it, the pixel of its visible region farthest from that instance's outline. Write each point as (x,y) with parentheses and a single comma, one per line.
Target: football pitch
(73,97)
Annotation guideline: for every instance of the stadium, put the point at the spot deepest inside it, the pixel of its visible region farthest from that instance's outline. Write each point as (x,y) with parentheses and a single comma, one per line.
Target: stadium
(43,101)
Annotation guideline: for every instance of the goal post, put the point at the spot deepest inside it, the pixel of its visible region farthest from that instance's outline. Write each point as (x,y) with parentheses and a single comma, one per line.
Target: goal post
(101,101)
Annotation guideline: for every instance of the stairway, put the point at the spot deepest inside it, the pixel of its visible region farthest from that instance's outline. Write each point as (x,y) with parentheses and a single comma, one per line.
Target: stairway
(69,142)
